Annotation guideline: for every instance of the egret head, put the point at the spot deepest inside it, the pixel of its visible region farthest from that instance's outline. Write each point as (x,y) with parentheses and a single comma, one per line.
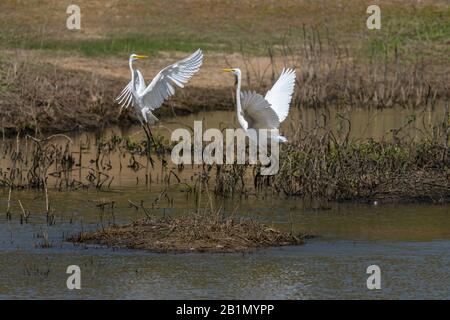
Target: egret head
(235,71)
(135,57)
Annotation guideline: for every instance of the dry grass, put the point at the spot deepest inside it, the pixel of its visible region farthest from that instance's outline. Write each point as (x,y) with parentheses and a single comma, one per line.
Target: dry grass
(79,93)
(329,166)
(328,76)
(39,98)
(320,167)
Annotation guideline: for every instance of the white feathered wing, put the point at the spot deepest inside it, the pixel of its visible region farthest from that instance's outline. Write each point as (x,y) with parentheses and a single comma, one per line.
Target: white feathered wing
(280,95)
(268,112)
(147,99)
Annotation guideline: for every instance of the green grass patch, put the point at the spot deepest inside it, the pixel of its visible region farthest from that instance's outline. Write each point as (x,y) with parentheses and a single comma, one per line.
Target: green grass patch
(119,46)
(412,32)
(146,44)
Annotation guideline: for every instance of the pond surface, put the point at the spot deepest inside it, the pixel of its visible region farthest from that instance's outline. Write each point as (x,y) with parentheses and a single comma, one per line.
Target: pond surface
(365,123)
(409,242)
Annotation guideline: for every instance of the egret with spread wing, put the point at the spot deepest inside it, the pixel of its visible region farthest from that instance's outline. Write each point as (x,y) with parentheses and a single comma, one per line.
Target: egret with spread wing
(257,112)
(144,98)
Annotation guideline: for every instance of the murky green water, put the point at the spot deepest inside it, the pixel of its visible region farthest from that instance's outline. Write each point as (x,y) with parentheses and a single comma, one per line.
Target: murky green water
(409,242)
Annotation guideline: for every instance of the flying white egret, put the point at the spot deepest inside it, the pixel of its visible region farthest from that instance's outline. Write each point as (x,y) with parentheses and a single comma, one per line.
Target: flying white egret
(258,112)
(145,99)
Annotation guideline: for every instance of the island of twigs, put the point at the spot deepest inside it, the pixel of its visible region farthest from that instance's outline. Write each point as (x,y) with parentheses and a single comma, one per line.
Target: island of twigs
(191,233)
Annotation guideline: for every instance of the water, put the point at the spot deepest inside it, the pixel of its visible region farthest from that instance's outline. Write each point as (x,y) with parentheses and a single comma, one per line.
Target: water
(409,242)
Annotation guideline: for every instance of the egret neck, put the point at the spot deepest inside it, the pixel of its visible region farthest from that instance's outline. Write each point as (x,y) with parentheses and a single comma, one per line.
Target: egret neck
(240,116)
(132,74)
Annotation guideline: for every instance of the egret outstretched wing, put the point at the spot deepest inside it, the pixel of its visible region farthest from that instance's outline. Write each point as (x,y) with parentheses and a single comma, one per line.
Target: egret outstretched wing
(125,98)
(280,95)
(177,74)
(258,112)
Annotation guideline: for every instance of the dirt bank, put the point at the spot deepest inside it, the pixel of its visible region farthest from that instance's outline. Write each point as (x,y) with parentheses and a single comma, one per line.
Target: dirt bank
(192,233)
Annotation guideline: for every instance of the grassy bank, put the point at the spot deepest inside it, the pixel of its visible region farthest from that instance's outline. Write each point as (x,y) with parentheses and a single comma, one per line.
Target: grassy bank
(120,27)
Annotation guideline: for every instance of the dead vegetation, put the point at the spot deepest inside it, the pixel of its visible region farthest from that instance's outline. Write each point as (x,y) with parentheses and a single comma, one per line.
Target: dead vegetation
(42,97)
(330,74)
(317,163)
(196,232)
(29,162)
(329,166)
(321,167)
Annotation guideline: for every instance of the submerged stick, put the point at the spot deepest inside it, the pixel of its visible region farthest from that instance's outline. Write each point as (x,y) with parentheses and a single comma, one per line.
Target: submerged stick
(8,209)
(47,203)
(25,215)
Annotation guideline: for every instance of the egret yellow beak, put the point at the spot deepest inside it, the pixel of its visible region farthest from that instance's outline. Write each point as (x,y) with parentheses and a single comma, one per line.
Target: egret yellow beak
(227,70)
(141,57)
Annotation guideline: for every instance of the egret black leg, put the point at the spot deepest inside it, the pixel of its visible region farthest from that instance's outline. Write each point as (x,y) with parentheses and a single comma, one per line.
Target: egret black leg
(150,140)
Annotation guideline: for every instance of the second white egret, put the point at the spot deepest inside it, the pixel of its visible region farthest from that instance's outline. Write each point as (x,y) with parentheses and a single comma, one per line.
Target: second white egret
(257,112)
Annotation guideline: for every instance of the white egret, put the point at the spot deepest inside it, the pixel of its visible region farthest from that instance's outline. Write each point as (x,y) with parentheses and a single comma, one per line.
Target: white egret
(145,99)
(258,112)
